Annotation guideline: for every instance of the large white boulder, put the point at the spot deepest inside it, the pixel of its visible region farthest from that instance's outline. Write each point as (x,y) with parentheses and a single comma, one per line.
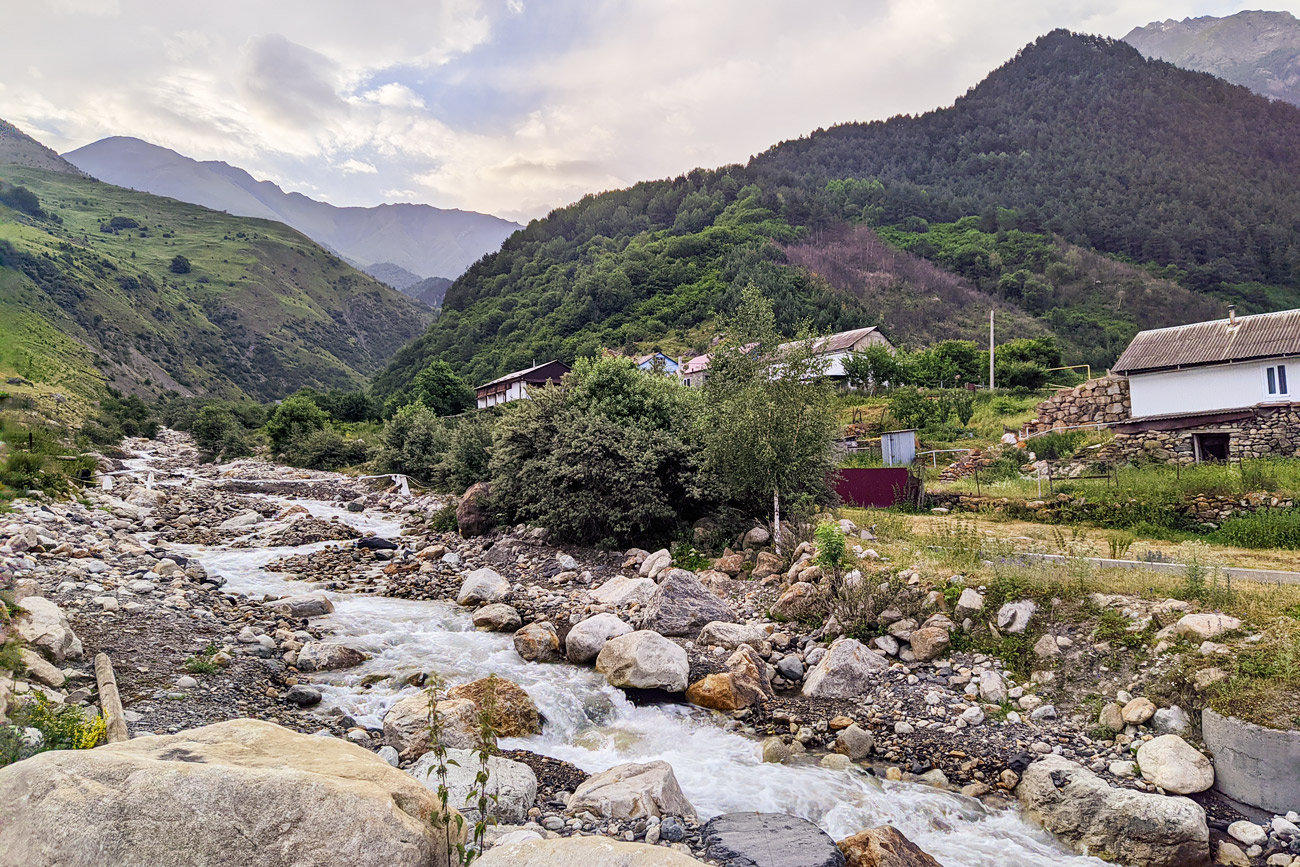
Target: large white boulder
(1119,824)
(587,637)
(632,791)
(846,671)
(482,585)
(644,660)
(621,590)
(406,725)
(656,563)
(511,786)
(226,795)
(585,851)
(1203,627)
(1175,765)
(46,628)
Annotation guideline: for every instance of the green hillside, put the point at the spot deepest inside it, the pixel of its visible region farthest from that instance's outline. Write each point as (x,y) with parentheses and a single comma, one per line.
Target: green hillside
(1184,182)
(92,291)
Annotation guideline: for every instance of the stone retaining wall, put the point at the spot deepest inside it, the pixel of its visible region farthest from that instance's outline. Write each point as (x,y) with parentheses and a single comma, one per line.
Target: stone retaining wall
(1104,400)
(1063,508)
(1270,432)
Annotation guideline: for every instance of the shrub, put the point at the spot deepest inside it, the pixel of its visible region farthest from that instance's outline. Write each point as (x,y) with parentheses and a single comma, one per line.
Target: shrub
(830,550)
(62,727)
(180,265)
(294,419)
(327,449)
(414,442)
(444,520)
(218,433)
(1267,528)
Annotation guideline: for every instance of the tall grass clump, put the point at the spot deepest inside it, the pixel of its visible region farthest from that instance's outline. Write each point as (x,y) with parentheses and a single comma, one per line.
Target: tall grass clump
(1267,528)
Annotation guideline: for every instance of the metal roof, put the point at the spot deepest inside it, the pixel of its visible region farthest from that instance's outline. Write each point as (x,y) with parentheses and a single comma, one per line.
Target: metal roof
(838,342)
(1265,335)
(522,374)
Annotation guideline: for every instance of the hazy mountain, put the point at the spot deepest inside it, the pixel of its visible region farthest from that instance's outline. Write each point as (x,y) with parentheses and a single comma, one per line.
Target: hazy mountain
(394,275)
(430,290)
(17,148)
(1259,50)
(427,241)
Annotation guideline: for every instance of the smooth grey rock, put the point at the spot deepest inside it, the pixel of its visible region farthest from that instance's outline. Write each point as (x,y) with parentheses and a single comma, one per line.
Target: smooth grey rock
(497,617)
(588,637)
(621,590)
(644,660)
(46,628)
(301,606)
(302,695)
(845,672)
(1171,763)
(768,840)
(482,585)
(790,668)
(732,635)
(328,656)
(1171,721)
(511,786)
(683,606)
(632,791)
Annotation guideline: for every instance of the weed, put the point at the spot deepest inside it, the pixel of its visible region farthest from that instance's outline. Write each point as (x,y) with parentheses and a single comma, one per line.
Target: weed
(444,520)
(11,656)
(203,663)
(1267,528)
(1119,544)
(686,557)
(62,727)
(830,551)
(452,825)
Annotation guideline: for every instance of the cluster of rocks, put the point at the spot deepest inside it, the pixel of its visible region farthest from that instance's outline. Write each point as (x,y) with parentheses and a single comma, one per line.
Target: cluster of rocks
(1100,401)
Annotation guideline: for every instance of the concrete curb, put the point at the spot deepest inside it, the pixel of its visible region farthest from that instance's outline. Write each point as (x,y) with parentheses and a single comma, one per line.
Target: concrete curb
(1252,764)
(1259,576)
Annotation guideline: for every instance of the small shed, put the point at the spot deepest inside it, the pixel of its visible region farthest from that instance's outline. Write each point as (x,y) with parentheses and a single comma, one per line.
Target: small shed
(898,447)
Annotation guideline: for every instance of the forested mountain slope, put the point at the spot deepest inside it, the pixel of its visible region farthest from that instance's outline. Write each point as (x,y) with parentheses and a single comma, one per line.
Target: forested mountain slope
(1076,143)
(99,283)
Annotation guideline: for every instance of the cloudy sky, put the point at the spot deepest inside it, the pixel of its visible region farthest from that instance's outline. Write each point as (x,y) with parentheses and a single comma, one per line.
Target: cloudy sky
(506,106)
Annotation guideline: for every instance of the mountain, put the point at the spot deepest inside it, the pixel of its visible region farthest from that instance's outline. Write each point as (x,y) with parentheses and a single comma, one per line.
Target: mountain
(17,148)
(430,290)
(104,285)
(1185,183)
(1259,50)
(394,275)
(427,241)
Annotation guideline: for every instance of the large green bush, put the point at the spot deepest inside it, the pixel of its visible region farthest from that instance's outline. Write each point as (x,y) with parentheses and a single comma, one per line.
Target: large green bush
(297,417)
(218,433)
(327,449)
(446,454)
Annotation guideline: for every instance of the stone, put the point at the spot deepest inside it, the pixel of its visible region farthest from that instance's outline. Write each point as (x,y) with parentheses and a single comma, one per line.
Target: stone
(225,795)
(1171,721)
(733,635)
(683,606)
(1138,711)
(798,601)
(46,628)
(295,607)
(744,684)
(328,656)
(884,846)
(1046,647)
(302,695)
(40,670)
(844,672)
(774,750)
(730,564)
(1201,627)
(473,517)
(587,637)
(855,742)
(406,725)
(621,590)
(1014,617)
(1231,855)
(240,521)
(1113,823)
(497,617)
(1171,763)
(1248,833)
(1111,717)
(993,688)
(791,668)
(482,585)
(970,603)
(585,851)
(632,791)
(538,642)
(766,564)
(768,840)
(511,786)
(644,660)
(514,713)
(929,642)
(756,538)
(655,563)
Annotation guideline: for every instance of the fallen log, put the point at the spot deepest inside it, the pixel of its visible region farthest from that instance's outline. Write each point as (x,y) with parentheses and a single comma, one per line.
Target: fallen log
(110,703)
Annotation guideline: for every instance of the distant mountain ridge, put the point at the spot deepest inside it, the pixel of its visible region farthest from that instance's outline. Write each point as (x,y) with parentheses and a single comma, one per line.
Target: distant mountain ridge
(1259,50)
(427,241)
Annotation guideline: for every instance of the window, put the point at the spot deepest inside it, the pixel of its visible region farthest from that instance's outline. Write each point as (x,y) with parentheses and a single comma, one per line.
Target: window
(1276,379)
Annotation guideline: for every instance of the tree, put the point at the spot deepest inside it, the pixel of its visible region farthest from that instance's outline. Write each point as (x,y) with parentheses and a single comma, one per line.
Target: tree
(441,390)
(872,367)
(180,265)
(295,418)
(768,426)
(217,432)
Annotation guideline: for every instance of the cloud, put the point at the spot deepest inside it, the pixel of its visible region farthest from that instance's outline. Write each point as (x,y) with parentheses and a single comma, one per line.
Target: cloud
(503,105)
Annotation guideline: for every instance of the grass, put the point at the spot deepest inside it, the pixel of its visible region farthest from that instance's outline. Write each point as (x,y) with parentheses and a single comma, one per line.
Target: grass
(203,663)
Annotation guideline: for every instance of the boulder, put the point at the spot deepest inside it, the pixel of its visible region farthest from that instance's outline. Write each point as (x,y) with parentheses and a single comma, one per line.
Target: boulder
(511,786)
(240,521)
(682,606)
(1014,617)
(482,585)
(41,670)
(514,714)
(1174,765)
(587,851)
(1171,721)
(733,635)
(1138,711)
(473,517)
(1046,648)
(884,846)
(406,725)
(497,617)
(970,603)
(1202,627)
(855,742)
(644,660)
(993,688)
(730,564)
(766,565)
(45,627)
(1111,717)
(744,684)
(632,791)
(328,656)
(797,602)
(587,637)
(655,563)
(538,642)
(295,607)
(226,795)
(844,672)
(620,590)
(929,642)
(756,538)
(768,840)
(1117,824)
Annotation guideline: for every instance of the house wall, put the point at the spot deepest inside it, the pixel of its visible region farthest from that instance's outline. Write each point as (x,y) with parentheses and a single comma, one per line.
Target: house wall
(1206,389)
(1268,432)
(516,391)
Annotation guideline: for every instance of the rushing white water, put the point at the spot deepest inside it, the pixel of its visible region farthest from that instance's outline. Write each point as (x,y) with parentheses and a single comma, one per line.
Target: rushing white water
(593,725)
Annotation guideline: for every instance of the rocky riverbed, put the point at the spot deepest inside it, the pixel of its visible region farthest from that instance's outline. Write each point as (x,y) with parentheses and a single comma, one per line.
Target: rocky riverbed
(182,582)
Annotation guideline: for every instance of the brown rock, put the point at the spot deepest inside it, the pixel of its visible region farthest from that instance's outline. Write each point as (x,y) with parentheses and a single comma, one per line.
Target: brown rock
(472,515)
(514,715)
(884,846)
(766,565)
(538,642)
(731,564)
(744,684)
(797,602)
(929,643)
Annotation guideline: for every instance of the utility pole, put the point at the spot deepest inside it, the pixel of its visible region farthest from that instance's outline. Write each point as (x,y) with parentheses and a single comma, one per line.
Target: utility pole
(991,385)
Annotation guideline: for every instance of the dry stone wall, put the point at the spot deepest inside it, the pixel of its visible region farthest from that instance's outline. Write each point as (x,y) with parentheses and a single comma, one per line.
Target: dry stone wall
(1104,400)
(1269,433)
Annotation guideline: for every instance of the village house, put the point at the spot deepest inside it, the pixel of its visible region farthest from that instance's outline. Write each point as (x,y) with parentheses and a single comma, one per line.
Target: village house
(1213,391)
(834,349)
(514,386)
(657,361)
